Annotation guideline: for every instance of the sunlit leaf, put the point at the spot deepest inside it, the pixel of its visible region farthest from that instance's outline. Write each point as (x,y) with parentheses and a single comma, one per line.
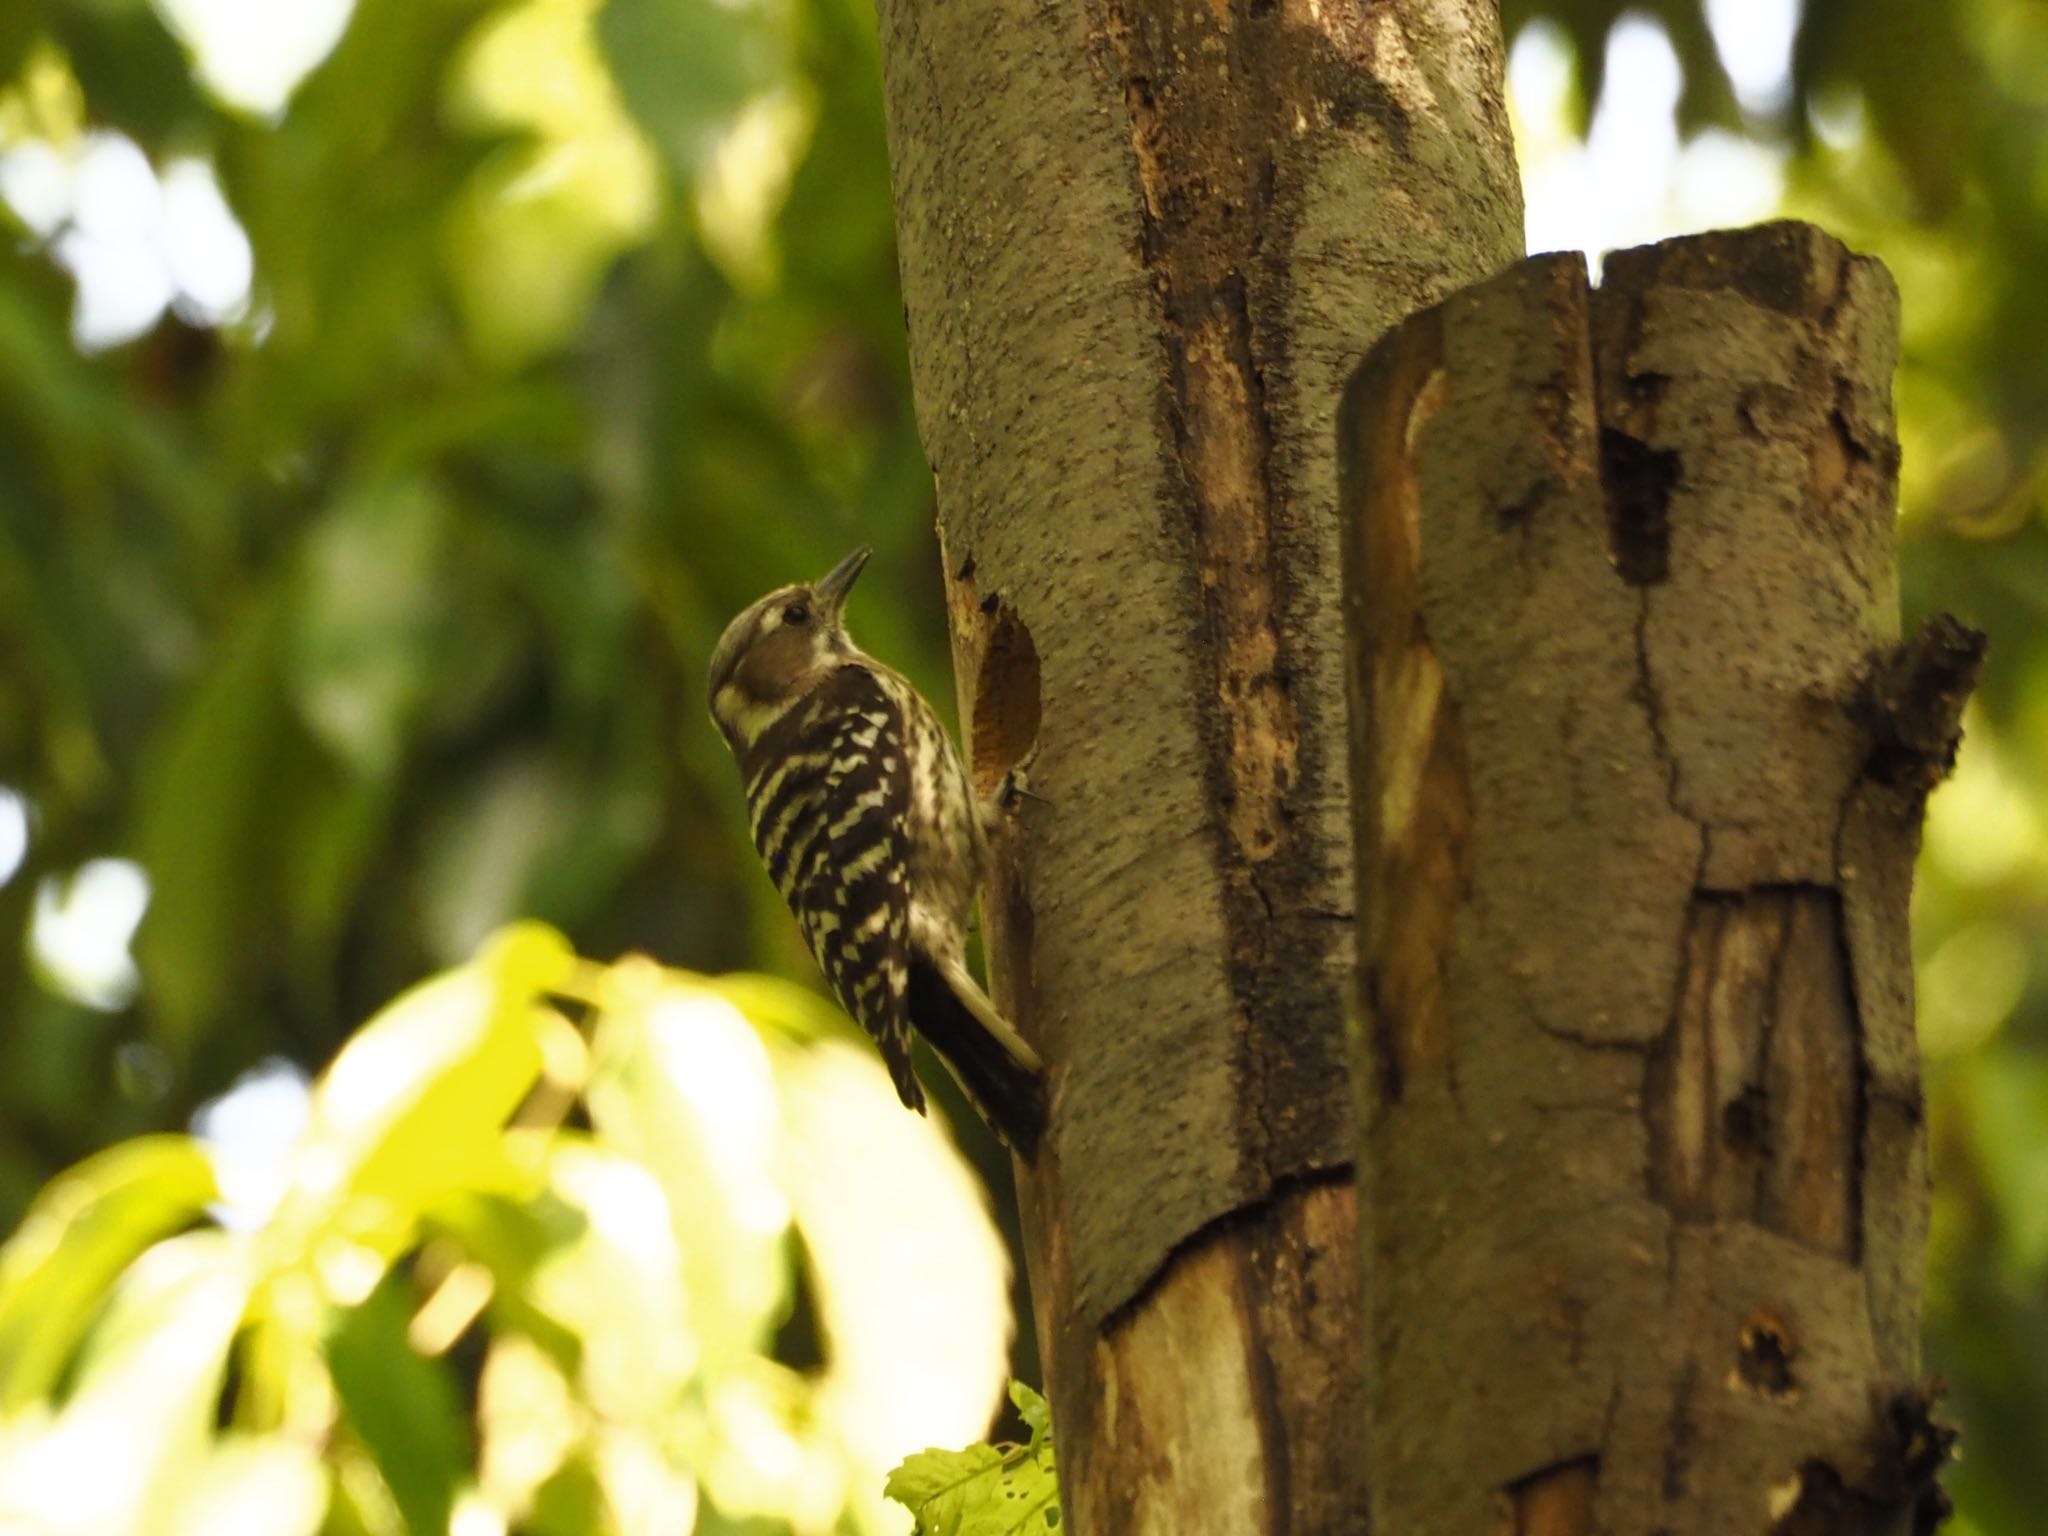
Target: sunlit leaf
(536,234)
(929,1477)
(683,1082)
(362,1505)
(646,1494)
(283,1385)
(537,228)
(412,1109)
(744,184)
(910,1276)
(253,57)
(766,1456)
(984,1490)
(618,1285)
(252,1486)
(629,1302)
(84,1229)
(772,1003)
(527,1420)
(142,1411)
(513,1239)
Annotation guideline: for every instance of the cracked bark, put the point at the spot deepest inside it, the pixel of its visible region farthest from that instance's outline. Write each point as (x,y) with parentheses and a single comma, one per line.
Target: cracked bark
(1142,246)
(1640,763)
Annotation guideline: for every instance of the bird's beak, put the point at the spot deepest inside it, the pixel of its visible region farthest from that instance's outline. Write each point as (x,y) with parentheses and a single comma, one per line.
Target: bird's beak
(840,579)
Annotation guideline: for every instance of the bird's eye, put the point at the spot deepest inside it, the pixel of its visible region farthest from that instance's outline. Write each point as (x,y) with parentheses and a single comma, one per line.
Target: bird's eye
(797,613)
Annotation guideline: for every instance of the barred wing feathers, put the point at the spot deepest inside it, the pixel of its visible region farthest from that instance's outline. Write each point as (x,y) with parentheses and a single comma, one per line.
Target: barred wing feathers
(828,796)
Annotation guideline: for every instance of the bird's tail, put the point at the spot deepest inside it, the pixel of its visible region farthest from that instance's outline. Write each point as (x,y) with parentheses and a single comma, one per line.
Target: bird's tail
(999,1073)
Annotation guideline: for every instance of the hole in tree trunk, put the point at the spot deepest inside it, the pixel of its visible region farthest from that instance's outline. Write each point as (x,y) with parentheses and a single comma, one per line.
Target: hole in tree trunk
(1006,697)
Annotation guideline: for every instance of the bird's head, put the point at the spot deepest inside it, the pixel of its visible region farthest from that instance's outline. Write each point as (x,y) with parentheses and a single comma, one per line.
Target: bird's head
(778,650)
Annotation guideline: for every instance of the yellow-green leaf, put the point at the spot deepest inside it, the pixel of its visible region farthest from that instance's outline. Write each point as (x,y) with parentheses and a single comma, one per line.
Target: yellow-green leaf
(683,1083)
(142,1412)
(82,1231)
(413,1109)
(251,1485)
(983,1490)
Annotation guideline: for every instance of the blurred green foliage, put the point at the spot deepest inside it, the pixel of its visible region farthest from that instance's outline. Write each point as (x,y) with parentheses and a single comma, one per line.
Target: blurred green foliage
(379,616)
(374,616)
(514,1271)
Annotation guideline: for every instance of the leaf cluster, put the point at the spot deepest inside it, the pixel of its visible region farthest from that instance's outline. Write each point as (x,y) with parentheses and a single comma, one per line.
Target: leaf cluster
(985,1490)
(527,1267)
(378,617)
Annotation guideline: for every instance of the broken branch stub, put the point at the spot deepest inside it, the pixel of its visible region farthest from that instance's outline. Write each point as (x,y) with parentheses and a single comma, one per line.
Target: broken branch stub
(1637,760)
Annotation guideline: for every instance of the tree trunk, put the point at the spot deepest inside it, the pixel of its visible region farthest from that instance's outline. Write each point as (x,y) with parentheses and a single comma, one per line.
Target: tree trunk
(1640,770)
(1142,246)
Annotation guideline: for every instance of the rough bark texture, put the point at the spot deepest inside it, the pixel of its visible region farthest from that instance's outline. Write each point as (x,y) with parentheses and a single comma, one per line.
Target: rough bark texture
(1142,246)
(1640,766)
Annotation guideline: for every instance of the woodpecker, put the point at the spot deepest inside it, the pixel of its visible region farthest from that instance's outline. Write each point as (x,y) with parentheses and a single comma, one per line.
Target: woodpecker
(861,809)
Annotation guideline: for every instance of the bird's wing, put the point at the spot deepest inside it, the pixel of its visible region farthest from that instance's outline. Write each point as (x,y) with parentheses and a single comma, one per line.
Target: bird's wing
(828,808)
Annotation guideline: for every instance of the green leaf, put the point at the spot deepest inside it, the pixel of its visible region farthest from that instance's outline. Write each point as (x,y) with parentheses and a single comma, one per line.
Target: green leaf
(685,67)
(545,833)
(402,1407)
(978,1492)
(2008,1105)
(133,71)
(412,1112)
(530,241)
(1034,1410)
(18,27)
(929,1476)
(81,1233)
(570,1503)
(336,837)
(983,1491)
(205,785)
(514,1240)
(366,619)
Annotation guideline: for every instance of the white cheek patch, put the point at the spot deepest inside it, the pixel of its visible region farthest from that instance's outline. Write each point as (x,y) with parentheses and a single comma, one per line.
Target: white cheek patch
(748,718)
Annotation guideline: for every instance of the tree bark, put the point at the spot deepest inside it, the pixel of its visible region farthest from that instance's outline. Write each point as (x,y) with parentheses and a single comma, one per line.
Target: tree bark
(1640,767)
(1142,246)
